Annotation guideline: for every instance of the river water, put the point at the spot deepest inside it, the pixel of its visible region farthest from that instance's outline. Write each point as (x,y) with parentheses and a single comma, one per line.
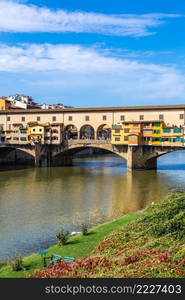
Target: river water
(36,203)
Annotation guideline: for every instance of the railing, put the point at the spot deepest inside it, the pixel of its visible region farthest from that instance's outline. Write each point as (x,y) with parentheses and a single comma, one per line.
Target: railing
(87,142)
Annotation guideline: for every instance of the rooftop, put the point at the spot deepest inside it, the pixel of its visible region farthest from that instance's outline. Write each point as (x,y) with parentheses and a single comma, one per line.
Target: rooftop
(97,109)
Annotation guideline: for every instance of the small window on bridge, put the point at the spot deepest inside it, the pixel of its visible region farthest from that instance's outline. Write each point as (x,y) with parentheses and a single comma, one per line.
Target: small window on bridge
(141,117)
(38,118)
(181,116)
(122,118)
(87,118)
(161,117)
(23,119)
(166,130)
(8,119)
(104,118)
(54,119)
(70,118)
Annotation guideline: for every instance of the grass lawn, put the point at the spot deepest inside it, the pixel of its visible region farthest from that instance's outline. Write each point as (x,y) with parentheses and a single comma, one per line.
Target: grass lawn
(78,246)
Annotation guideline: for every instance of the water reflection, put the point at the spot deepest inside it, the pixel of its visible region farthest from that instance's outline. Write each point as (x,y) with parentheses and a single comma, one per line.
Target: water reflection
(35,203)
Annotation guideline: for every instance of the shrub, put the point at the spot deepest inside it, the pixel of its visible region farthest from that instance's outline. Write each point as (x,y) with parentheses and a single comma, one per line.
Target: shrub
(62,237)
(17,263)
(84,229)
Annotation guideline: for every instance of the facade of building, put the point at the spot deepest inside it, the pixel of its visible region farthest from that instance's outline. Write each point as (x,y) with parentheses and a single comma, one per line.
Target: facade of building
(147,133)
(4,104)
(21,101)
(146,124)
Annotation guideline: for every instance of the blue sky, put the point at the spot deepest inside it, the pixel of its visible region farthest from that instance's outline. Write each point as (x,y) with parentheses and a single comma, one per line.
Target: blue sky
(93,53)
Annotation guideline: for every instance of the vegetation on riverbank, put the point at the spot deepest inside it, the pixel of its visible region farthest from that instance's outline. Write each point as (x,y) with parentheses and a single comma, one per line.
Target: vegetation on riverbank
(77,246)
(151,246)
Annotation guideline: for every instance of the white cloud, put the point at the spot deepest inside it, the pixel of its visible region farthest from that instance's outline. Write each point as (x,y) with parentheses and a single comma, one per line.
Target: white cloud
(20,17)
(76,67)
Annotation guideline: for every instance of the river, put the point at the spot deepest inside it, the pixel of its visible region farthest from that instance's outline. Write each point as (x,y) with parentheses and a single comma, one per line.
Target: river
(36,203)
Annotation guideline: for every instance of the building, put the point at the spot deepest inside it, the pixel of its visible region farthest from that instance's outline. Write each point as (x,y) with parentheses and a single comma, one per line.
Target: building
(54,106)
(4,104)
(45,133)
(96,123)
(22,101)
(147,133)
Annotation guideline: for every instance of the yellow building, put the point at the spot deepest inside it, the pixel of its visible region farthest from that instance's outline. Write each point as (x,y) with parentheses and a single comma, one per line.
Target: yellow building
(45,133)
(127,133)
(36,133)
(157,133)
(4,104)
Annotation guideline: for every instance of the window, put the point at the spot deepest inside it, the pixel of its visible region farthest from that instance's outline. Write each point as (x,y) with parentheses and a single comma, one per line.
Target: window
(132,139)
(54,119)
(40,129)
(126,138)
(104,118)
(161,117)
(135,124)
(122,118)
(181,116)
(15,138)
(117,139)
(117,131)
(156,131)
(54,138)
(141,117)
(38,118)
(33,130)
(166,130)
(47,130)
(126,130)
(8,119)
(156,124)
(23,131)
(177,130)
(87,118)
(23,139)
(23,119)
(70,118)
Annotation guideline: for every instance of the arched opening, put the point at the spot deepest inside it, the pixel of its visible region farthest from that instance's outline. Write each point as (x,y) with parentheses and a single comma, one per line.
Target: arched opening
(87,132)
(71,156)
(12,157)
(70,132)
(104,132)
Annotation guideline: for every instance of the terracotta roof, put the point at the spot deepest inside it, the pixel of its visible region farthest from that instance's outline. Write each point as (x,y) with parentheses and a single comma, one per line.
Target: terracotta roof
(98,109)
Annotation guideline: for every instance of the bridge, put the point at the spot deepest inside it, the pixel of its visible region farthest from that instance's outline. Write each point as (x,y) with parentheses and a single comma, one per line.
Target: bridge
(137,157)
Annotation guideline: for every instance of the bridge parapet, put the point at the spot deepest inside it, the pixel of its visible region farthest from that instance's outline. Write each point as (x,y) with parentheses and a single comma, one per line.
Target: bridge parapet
(87,142)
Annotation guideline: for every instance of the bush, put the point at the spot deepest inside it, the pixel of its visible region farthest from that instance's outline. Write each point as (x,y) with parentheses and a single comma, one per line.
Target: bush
(17,263)
(84,229)
(62,237)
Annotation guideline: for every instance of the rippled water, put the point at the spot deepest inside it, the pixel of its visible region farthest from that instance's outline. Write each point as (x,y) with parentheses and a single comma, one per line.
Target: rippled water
(35,203)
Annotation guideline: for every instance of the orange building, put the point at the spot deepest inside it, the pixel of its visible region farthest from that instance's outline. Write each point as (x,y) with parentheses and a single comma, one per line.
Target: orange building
(4,104)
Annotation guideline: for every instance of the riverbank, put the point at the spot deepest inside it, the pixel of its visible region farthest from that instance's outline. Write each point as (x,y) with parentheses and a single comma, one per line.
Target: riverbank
(152,246)
(78,246)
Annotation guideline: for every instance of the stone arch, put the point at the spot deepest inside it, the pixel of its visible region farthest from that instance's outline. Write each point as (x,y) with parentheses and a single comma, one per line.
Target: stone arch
(104,132)
(64,156)
(70,132)
(17,155)
(87,132)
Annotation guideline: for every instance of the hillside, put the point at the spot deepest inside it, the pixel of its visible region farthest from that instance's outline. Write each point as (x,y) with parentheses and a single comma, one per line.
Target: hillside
(151,246)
